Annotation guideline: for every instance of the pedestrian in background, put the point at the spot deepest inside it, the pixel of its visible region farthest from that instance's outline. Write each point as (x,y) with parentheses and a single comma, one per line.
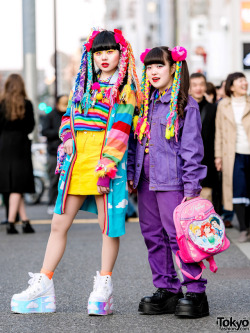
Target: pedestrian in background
(165,165)
(210,94)
(232,149)
(16,171)
(95,131)
(50,129)
(220,91)
(197,90)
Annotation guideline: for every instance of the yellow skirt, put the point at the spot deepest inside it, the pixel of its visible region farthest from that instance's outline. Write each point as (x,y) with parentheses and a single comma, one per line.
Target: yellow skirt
(83,179)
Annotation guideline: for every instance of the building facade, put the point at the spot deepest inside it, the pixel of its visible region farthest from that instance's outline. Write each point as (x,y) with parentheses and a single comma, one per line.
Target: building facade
(215,33)
(144,23)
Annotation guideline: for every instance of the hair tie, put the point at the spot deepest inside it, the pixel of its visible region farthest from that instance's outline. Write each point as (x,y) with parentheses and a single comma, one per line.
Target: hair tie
(91,40)
(143,55)
(179,53)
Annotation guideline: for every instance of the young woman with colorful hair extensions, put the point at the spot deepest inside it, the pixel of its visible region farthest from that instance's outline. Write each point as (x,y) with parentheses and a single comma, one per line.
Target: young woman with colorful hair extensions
(92,165)
(164,163)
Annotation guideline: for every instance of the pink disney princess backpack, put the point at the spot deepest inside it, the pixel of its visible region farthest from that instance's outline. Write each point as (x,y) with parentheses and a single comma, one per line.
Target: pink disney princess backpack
(200,234)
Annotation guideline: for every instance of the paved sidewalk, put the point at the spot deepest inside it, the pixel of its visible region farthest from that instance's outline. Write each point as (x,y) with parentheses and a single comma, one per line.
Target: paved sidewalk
(228,290)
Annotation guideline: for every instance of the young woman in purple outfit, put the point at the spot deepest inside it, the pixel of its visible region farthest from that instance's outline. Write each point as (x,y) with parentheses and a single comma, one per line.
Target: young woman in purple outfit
(164,164)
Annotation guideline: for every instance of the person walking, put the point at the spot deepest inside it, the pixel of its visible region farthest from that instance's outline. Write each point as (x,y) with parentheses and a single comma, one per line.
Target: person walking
(165,165)
(197,90)
(16,171)
(232,149)
(50,129)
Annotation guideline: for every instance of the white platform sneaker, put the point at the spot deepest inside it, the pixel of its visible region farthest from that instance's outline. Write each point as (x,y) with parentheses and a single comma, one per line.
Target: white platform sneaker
(101,299)
(39,297)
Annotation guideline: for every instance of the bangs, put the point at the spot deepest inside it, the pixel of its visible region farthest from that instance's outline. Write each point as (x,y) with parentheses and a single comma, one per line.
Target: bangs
(155,56)
(104,41)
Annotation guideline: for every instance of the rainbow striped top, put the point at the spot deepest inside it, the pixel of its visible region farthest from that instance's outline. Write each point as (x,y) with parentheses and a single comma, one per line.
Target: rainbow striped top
(97,117)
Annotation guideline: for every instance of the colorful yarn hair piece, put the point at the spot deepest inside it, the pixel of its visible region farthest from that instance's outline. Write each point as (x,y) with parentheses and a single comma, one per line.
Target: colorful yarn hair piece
(143,127)
(172,117)
(178,54)
(80,79)
(86,101)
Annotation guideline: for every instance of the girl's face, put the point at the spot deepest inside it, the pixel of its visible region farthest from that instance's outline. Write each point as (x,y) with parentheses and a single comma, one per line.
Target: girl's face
(160,76)
(107,61)
(239,87)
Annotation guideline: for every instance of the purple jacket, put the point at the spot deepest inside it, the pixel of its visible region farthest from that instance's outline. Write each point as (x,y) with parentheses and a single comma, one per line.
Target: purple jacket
(173,165)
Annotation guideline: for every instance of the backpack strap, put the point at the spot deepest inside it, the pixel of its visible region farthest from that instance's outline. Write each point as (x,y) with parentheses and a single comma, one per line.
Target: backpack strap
(212,264)
(178,262)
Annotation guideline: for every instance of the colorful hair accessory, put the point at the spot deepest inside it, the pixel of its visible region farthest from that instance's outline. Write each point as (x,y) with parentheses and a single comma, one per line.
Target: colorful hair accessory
(119,38)
(179,53)
(86,101)
(96,86)
(80,79)
(143,127)
(91,40)
(143,55)
(172,117)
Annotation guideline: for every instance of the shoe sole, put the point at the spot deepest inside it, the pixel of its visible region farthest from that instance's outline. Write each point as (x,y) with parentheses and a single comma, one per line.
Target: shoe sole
(100,308)
(191,311)
(44,304)
(154,309)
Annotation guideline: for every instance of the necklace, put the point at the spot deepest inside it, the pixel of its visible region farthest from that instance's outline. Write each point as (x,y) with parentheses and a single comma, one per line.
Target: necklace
(101,93)
(104,80)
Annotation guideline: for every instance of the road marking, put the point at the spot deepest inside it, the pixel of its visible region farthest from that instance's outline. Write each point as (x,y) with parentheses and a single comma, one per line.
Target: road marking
(78,221)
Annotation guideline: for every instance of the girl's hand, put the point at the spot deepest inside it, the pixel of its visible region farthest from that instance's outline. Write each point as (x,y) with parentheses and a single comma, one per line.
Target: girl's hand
(68,146)
(102,189)
(130,186)
(218,163)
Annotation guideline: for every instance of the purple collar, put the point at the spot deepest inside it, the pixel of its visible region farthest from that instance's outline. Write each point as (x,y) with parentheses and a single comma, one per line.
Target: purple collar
(165,98)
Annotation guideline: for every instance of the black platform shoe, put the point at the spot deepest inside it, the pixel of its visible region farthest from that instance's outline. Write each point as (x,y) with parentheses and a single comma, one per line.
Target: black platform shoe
(27,228)
(162,301)
(11,230)
(193,305)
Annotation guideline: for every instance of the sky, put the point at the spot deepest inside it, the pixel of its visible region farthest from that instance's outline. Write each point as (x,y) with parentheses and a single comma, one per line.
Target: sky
(74,21)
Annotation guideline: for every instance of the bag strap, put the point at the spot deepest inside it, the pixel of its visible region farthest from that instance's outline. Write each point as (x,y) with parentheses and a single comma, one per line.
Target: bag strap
(178,262)
(212,264)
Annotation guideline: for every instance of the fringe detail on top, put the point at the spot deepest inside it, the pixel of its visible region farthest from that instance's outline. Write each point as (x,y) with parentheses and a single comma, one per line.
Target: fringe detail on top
(103,170)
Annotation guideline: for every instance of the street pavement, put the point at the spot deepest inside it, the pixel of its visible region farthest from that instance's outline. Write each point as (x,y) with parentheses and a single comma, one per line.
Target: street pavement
(228,290)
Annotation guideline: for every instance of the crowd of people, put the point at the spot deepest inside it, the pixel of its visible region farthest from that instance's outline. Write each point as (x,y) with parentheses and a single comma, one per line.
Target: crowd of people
(171,137)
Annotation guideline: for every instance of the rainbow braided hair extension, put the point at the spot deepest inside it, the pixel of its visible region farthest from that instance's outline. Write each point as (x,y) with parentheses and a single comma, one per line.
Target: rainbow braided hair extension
(142,128)
(178,54)
(113,93)
(79,83)
(86,101)
(131,75)
(172,116)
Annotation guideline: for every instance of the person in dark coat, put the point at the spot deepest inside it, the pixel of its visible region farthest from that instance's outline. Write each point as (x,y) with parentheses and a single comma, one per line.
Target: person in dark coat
(16,171)
(50,129)
(198,89)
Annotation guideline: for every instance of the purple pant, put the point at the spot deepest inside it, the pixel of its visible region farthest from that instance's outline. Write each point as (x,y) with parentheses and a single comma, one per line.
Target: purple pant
(157,226)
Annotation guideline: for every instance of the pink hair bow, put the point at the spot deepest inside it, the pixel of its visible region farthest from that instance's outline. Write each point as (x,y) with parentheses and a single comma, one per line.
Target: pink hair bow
(119,38)
(89,44)
(143,55)
(179,53)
